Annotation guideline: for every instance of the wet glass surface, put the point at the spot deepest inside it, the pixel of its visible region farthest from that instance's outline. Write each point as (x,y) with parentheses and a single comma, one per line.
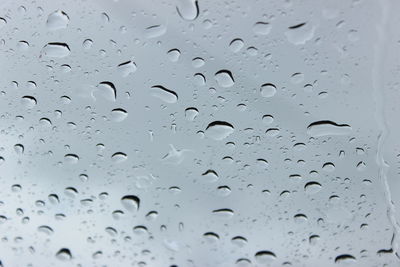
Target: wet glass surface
(199,133)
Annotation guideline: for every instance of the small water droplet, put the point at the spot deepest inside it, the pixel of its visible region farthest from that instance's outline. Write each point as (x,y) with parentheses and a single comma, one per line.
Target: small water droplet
(155,31)
(127,68)
(174,55)
(119,157)
(118,114)
(262,28)
(64,254)
(236,44)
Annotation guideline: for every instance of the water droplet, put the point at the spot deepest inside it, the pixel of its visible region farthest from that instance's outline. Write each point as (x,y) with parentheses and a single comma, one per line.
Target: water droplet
(301,33)
(106,90)
(57,20)
(87,44)
(155,31)
(57,50)
(130,202)
(219,130)
(198,62)
(119,157)
(191,113)
(236,45)
(127,68)
(312,187)
(268,90)
(262,28)
(118,114)
(323,128)
(224,78)
(71,158)
(224,213)
(45,229)
(265,256)
(174,156)
(267,119)
(64,254)
(28,101)
(328,167)
(19,149)
(210,176)
(345,258)
(174,55)
(164,94)
(188,9)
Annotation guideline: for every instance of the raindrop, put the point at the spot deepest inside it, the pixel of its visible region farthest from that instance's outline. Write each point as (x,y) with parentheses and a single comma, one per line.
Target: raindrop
(130,202)
(268,90)
(119,157)
(188,9)
(155,31)
(262,28)
(236,45)
(127,68)
(210,176)
(219,130)
(118,114)
(312,187)
(57,50)
(265,256)
(323,128)
(71,158)
(28,101)
(64,254)
(106,90)
(300,34)
(345,258)
(57,20)
(87,44)
(191,113)
(164,94)
(224,78)
(174,55)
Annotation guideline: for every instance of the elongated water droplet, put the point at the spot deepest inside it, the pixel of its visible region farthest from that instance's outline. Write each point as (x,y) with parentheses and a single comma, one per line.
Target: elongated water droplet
(262,28)
(323,128)
(155,31)
(300,34)
(57,50)
(219,130)
(224,213)
(164,94)
(188,9)
(191,113)
(345,258)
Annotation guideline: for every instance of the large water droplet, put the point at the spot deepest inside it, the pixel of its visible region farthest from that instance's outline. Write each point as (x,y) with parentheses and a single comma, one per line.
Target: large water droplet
(118,114)
(57,20)
(106,90)
(188,9)
(312,187)
(224,78)
(323,128)
(164,94)
(219,130)
(57,50)
(130,202)
(268,90)
(265,256)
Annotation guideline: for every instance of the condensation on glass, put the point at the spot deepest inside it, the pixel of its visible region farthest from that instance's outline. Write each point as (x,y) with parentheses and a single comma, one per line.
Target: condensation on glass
(199,133)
